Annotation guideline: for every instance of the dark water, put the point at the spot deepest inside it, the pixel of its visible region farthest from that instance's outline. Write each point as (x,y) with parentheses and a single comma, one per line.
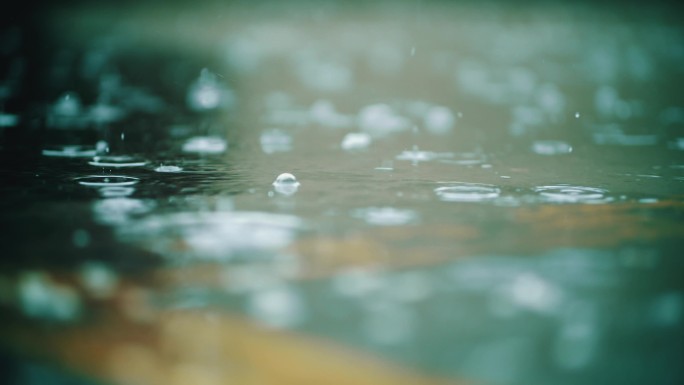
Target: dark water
(468,191)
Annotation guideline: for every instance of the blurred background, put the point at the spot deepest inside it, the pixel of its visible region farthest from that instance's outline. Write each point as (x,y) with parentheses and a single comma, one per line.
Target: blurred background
(307,192)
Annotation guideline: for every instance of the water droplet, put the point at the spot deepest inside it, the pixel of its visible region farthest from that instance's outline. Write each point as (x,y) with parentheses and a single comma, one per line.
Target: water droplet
(551,147)
(163,168)
(205,145)
(117,161)
(467,192)
(356,141)
(107,180)
(572,194)
(286,184)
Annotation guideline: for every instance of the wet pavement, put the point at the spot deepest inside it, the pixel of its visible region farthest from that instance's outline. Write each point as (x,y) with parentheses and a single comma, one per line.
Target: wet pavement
(289,193)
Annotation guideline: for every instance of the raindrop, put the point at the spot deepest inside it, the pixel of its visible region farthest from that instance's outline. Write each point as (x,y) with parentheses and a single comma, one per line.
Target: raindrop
(356,141)
(572,194)
(551,147)
(467,192)
(205,145)
(117,161)
(107,180)
(163,168)
(286,184)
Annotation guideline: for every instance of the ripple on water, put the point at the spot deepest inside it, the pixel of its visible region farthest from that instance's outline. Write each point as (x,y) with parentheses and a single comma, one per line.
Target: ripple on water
(70,151)
(205,145)
(168,169)
(467,192)
(106,180)
(117,161)
(551,147)
(565,193)
(385,216)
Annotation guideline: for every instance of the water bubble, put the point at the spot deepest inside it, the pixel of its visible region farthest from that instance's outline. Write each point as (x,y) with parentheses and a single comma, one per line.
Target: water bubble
(356,141)
(551,147)
(70,151)
(117,161)
(205,145)
(275,140)
(106,180)
(572,194)
(163,168)
(467,192)
(286,184)
(385,216)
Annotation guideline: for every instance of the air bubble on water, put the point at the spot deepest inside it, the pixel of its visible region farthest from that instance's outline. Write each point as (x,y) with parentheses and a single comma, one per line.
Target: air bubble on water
(70,151)
(551,147)
(439,120)
(106,180)
(170,169)
(275,140)
(286,184)
(467,192)
(386,216)
(205,145)
(99,279)
(572,194)
(277,307)
(117,161)
(356,141)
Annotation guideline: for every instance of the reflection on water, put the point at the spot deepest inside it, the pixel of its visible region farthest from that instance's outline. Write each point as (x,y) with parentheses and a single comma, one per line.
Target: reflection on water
(398,193)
